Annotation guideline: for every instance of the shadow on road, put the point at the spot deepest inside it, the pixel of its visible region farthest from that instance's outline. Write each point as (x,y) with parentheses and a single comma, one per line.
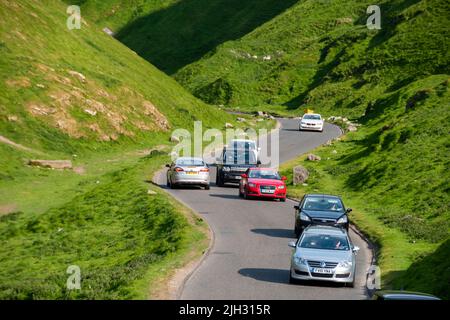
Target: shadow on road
(276,233)
(182,187)
(225,196)
(282,276)
(288,129)
(267,275)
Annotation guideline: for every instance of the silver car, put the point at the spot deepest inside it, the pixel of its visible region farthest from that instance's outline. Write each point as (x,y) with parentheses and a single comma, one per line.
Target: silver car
(188,171)
(323,253)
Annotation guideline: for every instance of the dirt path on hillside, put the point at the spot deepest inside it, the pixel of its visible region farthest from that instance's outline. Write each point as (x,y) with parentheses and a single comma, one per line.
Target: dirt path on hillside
(18,146)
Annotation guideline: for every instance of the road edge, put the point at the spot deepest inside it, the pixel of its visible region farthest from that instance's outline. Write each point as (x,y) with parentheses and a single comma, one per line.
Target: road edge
(182,274)
(190,267)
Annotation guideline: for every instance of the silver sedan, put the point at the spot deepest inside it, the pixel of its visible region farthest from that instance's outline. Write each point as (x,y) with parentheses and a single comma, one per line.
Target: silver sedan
(188,171)
(323,253)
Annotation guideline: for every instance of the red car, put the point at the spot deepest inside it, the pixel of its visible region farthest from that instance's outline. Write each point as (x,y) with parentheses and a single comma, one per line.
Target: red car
(262,183)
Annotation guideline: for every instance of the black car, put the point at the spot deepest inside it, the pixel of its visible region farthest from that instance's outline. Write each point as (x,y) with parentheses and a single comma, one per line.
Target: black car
(233,163)
(320,209)
(402,295)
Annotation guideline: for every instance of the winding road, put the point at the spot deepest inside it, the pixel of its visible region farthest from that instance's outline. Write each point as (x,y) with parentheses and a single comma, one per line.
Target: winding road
(250,257)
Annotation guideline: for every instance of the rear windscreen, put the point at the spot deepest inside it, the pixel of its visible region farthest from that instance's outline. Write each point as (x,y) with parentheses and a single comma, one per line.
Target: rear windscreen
(239,157)
(190,162)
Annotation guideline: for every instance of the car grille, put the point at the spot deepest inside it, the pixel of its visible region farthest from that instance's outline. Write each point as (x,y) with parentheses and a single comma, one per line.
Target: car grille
(324,221)
(321,275)
(316,264)
(267,187)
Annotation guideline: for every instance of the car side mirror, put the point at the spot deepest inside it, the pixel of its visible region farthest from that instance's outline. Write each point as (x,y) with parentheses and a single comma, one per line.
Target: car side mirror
(297,207)
(167,165)
(258,162)
(349,210)
(283,178)
(244,176)
(292,244)
(355,249)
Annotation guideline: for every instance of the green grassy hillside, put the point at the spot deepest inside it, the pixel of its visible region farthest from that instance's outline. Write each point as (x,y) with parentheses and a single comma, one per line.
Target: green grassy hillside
(280,56)
(393,172)
(117,96)
(172,34)
(320,55)
(316,51)
(82,95)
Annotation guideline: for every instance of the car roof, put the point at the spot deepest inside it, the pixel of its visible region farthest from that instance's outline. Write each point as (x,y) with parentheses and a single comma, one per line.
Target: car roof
(319,229)
(259,168)
(319,195)
(242,140)
(312,114)
(399,294)
(189,158)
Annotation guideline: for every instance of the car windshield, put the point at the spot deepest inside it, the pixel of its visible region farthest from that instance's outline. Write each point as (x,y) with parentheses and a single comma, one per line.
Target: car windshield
(239,157)
(264,174)
(324,242)
(323,204)
(190,162)
(247,145)
(311,117)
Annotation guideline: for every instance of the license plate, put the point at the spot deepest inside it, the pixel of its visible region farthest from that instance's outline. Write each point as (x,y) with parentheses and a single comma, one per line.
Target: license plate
(191,172)
(322,270)
(267,191)
(238,177)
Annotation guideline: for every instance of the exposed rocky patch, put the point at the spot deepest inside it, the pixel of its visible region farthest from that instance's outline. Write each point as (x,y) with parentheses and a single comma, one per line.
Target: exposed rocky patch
(300,175)
(113,114)
(344,123)
(313,157)
(52,164)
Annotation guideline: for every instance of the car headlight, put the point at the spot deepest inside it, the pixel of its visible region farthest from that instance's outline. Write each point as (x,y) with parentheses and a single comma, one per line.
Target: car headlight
(345,264)
(298,260)
(343,219)
(304,217)
(281,187)
(252,185)
(226,169)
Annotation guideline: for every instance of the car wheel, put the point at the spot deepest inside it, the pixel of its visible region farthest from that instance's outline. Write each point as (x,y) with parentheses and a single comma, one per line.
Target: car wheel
(168,182)
(350,284)
(207,187)
(283,199)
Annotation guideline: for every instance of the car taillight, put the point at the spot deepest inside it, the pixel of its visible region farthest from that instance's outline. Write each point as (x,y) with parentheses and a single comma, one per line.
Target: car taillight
(204,170)
(179,170)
